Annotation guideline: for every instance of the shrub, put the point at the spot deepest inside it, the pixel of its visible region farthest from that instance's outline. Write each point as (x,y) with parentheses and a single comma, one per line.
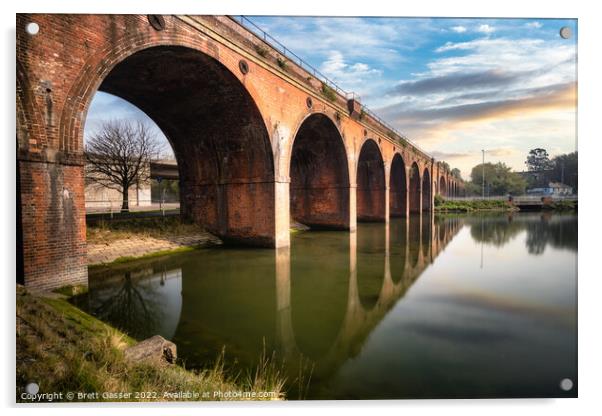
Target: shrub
(328,92)
(474,205)
(282,63)
(261,51)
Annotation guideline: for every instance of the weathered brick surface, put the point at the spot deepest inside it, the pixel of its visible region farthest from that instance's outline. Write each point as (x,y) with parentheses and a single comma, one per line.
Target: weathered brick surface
(53,224)
(232,131)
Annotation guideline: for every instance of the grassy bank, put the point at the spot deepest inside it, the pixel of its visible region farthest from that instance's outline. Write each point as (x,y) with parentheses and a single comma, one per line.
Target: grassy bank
(442,205)
(561,206)
(63,349)
(129,260)
(104,232)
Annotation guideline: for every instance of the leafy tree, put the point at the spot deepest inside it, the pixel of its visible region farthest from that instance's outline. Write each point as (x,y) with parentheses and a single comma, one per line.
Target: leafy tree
(538,159)
(499,179)
(444,165)
(497,231)
(565,169)
(455,172)
(472,188)
(118,156)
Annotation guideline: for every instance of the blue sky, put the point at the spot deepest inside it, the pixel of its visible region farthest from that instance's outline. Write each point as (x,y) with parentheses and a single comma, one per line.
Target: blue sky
(454,86)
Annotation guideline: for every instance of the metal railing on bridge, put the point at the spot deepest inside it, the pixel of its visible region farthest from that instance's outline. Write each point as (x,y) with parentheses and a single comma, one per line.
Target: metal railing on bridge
(275,44)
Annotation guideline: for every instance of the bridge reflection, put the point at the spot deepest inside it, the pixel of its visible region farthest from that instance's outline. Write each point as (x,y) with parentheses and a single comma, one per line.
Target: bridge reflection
(328,331)
(319,299)
(317,302)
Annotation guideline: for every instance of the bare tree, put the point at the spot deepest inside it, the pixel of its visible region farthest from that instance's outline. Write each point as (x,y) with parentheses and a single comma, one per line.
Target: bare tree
(118,155)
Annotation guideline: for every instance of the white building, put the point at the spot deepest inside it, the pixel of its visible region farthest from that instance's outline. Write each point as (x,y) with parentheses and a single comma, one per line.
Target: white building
(553,189)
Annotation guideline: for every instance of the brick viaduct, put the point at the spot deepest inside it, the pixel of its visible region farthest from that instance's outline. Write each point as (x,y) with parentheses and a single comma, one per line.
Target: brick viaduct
(258,139)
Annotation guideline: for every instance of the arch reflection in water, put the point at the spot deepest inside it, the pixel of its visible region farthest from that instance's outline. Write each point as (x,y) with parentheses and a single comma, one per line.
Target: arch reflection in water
(331,314)
(318,300)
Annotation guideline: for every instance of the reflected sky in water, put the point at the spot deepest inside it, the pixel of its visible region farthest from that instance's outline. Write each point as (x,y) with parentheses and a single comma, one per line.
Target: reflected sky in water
(454,306)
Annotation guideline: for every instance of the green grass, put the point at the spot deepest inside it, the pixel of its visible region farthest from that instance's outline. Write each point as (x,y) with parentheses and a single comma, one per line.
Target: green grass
(104,232)
(329,93)
(443,205)
(71,290)
(129,259)
(64,350)
(561,205)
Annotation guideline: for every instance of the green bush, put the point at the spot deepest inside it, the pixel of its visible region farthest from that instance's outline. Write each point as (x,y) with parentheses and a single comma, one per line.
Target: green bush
(261,51)
(443,205)
(329,93)
(282,63)
(562,205)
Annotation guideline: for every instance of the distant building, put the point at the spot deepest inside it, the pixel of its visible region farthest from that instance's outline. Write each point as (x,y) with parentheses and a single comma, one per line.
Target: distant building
(99,196)
(164,169)
(165,180)
(553,189)
(140,195)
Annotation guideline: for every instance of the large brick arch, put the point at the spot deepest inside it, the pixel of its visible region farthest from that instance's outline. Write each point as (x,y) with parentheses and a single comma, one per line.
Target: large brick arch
(426,190)
(415,189)
(241,191)
(217,133)
(319,172)
(443,186)
(398,188)
(203,105)
(118,47)
(371,185)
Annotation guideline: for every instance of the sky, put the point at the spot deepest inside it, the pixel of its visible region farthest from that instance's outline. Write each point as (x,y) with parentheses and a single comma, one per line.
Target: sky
(453,86)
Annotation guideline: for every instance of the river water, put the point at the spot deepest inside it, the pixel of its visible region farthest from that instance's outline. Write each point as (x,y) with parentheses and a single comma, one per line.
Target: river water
(431,307)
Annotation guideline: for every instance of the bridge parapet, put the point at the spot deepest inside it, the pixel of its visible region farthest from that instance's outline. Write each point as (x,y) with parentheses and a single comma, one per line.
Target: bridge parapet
(233,107)
(283,59)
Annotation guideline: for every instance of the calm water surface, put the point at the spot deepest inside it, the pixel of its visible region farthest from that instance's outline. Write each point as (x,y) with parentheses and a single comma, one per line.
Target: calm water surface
(455,306)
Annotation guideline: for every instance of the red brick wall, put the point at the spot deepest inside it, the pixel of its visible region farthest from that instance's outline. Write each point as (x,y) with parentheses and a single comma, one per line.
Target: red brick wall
(60,69)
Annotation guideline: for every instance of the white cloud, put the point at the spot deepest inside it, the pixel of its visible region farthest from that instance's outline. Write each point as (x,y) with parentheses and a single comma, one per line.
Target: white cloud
(379,41)
(459,29)
(358,76)
(534,25)
(485,29)
(553,60)
(487,71)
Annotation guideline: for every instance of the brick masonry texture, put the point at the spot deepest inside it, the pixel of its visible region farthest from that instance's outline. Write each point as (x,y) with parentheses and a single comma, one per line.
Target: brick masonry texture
(233,132)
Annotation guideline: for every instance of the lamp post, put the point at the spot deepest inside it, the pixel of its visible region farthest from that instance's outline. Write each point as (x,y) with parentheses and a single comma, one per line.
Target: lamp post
(483,170)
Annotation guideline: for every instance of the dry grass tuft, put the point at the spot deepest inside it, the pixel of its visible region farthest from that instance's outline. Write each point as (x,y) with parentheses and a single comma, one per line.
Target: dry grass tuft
(63,349)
